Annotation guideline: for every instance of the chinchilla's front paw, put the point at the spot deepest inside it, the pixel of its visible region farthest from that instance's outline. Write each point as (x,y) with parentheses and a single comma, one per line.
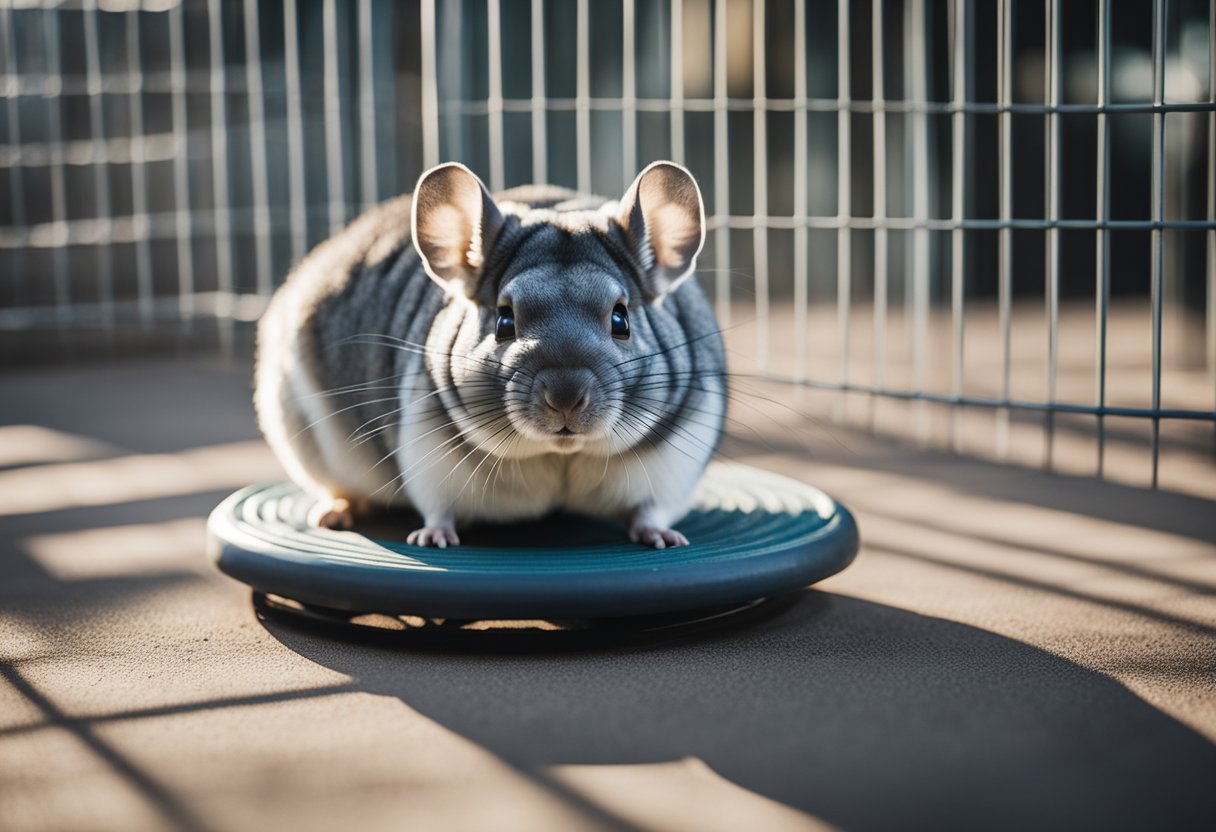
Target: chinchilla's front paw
(655,537)
(438,536)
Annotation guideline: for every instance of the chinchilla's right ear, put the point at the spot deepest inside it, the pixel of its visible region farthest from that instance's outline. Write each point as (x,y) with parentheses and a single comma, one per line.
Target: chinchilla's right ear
(455,223)
(664,221)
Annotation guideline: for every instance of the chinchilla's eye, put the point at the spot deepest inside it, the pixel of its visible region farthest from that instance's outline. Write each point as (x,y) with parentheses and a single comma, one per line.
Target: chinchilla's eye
(620,322)
(505,329)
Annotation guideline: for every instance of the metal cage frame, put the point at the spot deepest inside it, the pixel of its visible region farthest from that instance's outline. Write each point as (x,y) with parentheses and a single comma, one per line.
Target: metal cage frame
(332,108)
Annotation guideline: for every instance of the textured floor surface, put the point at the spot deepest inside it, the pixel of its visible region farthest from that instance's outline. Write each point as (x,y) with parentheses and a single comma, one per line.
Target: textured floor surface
(1012,649)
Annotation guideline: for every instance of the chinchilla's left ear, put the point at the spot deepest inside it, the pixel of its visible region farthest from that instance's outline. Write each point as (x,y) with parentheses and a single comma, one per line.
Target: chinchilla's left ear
(455,224)
(664,221)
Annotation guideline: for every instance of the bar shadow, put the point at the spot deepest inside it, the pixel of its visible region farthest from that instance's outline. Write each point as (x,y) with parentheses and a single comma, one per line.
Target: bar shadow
(863,715)
(1161,510)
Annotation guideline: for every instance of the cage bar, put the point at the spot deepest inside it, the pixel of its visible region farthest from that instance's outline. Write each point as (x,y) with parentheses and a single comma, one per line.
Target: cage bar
(959,156)
(13,113)
(254,93)
(430,78)
(582,109)
(825,105)
(1211,232)
(881,256)
(676,74)
(1102,235)
(102,204)
(1073,408)
(334,155)
(1053,190)
(295,131)
(181,171)
(721,170)
(54,92)
(219,168)
(1158,209)
(801,278)
(495,125)
(844,187)
(540,151)
(629,104)
(915,71)
(829,105)
(760,181)
(370,186)
(139,181)
(1005,233)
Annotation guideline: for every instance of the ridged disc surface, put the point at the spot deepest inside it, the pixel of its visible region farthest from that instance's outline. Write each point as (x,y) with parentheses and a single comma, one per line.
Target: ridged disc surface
(752,533)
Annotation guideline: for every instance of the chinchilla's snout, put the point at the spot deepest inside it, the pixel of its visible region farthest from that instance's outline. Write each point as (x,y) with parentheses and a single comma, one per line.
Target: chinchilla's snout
(565,393)
(565,403)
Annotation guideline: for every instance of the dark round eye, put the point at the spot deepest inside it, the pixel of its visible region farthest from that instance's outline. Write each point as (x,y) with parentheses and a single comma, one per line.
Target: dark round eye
(505,329)
(620,322)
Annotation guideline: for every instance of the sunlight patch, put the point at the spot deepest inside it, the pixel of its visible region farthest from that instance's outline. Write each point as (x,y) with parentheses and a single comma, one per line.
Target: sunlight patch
(119,550)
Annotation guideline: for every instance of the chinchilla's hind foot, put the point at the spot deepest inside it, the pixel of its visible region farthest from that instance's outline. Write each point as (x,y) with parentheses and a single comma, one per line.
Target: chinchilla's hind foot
(337,514)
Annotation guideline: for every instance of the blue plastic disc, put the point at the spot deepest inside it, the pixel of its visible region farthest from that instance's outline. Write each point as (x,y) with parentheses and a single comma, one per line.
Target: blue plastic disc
(753,534)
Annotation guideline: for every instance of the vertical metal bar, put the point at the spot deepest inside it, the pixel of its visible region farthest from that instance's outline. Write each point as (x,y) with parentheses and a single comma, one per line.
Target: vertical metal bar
(494,104)
(800,194)
(334,156)
(629,156)
(219,171)
(540,149)
(880,205)
(451,75)
(430,81)
(16,173)
(958,212)
(1211,234)
(1005,234)
(844,191)
(1158,214)
(722,171)
(1053,189)
(63,296)
(760,181)
(920,211)
(101,166)
(181,170)
(257,145)
(582,103)
(139,187)
(677,81)
(295,130)
(1103,212)
(370,187)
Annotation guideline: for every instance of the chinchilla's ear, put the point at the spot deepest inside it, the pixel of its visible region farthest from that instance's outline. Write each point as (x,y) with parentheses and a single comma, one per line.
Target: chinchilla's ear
(455,224)
(664,221)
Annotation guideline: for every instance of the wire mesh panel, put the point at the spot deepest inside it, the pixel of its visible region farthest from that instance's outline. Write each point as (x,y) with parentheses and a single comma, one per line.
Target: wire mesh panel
(989,225)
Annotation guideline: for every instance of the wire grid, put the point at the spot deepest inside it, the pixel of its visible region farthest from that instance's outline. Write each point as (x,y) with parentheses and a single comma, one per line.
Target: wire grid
(188,152)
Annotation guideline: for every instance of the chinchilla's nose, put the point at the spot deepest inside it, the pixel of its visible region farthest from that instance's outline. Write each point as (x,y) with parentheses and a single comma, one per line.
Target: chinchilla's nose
(568,392)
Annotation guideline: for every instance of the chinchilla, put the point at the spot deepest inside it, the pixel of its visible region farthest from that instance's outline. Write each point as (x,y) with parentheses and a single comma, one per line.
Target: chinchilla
(484,358)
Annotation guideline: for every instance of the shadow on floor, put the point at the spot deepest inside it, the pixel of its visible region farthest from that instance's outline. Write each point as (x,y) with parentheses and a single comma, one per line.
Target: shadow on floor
(860,714)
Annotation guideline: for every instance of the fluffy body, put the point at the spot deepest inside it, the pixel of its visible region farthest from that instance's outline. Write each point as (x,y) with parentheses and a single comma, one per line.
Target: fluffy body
(376,384)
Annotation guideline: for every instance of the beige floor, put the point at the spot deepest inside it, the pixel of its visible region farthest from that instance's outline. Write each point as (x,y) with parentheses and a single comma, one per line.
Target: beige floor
(1011,649)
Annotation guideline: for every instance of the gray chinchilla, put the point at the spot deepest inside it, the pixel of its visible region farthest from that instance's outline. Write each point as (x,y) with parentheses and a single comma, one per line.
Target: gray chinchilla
(482,358)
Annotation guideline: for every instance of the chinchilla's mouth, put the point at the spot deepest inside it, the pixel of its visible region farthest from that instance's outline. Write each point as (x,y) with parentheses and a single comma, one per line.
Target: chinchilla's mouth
(565,431)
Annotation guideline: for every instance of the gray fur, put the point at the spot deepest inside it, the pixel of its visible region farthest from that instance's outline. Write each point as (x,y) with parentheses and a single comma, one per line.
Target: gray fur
(379,384)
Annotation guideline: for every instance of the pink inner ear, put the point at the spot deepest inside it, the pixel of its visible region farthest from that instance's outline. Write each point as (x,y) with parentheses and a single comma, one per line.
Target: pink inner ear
(444,234)
(675,234)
